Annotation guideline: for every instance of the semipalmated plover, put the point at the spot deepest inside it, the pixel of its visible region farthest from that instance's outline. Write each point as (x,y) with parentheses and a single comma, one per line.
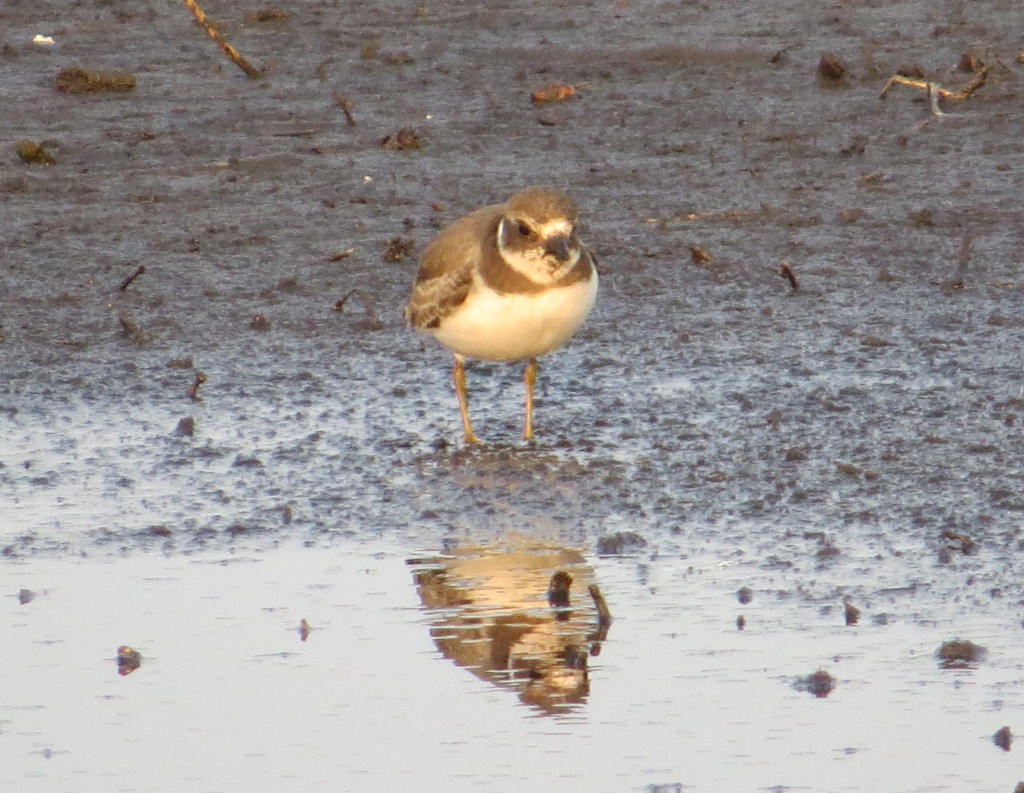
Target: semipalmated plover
(509,282)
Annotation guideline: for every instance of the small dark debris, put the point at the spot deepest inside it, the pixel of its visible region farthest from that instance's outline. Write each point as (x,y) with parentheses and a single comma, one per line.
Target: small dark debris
(405,138)
(268,14)
(700,256)
(849,469)
(128,660)
(558,590)
(786,269)
(304,630)
(398,248)
(967,545)
(235,529)
(821,684)
(745,595)
(130,278)
(131,328)
(960,653)
(180,363)
(370,320)
(157,531)
(832,70)
(247,462)
(26,596)
(741,622)
(289,285)
(35,153)
(1003,738)
(856,147)
(970,63)
(850,612)
(337,257)
(775,419)
(875,341)
(193,390)
(259,322)
(922,218)
(76,80)
(553,92)
(795,455)
(621,542)
(345,105)
(186,427)
(339,304)
(399,58)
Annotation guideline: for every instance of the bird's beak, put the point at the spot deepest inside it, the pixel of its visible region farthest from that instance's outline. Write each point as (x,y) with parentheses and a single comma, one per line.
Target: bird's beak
(558,246)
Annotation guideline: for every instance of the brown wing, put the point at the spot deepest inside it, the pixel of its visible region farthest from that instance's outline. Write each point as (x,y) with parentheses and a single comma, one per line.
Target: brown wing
(446,270)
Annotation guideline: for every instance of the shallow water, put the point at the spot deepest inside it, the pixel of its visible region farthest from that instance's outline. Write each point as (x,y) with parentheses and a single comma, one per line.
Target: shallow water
(228,693)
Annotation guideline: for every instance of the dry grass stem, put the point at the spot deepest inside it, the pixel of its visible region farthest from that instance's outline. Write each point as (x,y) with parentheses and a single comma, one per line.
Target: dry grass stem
(935,91)
(250,71)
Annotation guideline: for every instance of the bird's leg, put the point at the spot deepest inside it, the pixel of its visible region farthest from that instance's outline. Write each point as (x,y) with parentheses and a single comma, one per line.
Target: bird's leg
(530,379)
(459,375)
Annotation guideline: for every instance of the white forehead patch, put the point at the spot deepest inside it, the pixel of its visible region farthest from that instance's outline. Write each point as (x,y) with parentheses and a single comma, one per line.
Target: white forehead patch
(557,227)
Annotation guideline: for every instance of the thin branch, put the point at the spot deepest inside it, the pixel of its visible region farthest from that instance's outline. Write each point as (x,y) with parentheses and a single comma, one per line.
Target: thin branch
(786,269)
(935,91)
(251,71)
(128,281)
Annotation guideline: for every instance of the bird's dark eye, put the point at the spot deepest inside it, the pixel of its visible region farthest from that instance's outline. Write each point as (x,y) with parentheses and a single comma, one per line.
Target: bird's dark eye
(524,230)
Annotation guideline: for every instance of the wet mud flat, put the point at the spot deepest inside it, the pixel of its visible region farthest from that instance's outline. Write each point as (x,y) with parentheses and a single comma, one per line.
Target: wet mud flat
(857,437)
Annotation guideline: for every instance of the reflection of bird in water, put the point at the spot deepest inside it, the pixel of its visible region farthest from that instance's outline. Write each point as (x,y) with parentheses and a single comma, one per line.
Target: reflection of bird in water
(528,618)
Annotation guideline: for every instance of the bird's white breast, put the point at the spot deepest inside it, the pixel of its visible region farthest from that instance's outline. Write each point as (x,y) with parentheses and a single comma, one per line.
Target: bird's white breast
(511,327)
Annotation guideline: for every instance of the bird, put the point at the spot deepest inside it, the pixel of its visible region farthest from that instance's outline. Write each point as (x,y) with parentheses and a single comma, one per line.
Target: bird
(506,283)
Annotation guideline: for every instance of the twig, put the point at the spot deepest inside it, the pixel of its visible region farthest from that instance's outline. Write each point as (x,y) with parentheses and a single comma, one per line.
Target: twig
(340,305)
(965,256)
(371,316)
(131,328)
(935,91)
(250,71)
(787,271)
(604,620)
(193,390)
(963,260)
(128,281)
(341,255)
(604,616)
(346,108)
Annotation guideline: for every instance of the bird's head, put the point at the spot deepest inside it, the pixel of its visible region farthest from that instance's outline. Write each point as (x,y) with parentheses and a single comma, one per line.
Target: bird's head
(537,234)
